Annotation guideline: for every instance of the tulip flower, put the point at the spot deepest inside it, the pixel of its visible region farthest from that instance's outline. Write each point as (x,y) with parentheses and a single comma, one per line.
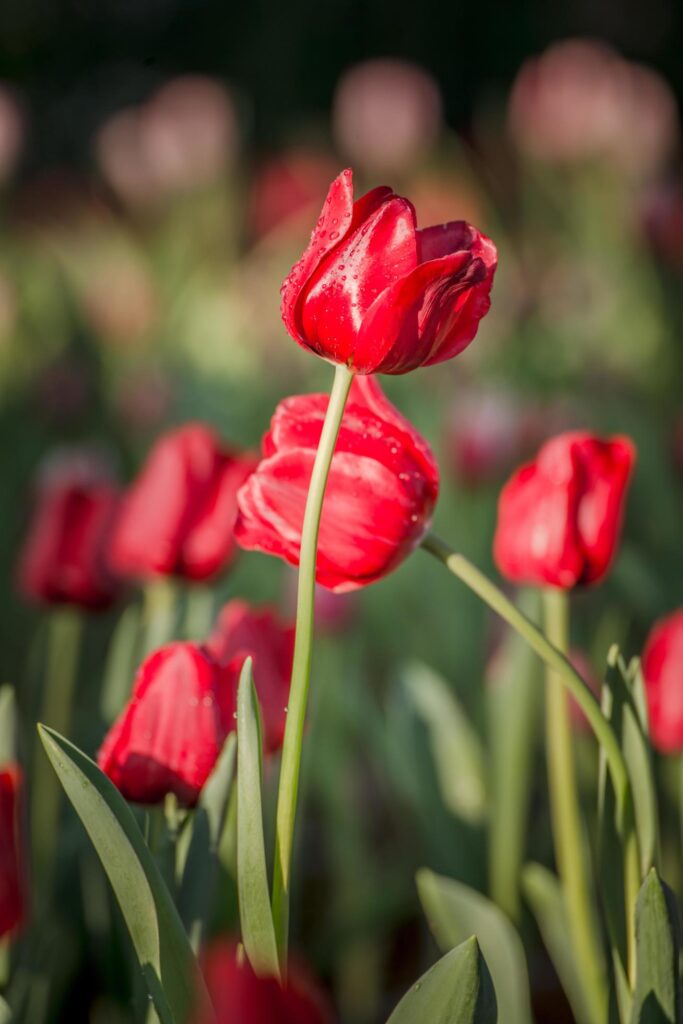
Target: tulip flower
(242,631)
(11,868)
(64,556)
(182,707)
(378,295)
(380,495)
(560,515)
(663,676)
(170,733)
(177,517)
(239,996)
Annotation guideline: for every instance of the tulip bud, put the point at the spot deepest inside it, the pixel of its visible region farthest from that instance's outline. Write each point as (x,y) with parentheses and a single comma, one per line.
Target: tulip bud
(381,490)
(241,631)
(64,557)
(377,294)
(239,996)
(663,677)
(12,881)
(177,517)
(559,516)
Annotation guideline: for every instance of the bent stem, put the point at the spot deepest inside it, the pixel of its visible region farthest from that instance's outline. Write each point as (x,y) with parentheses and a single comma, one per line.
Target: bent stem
(301,666)
(566,815)
(570,678)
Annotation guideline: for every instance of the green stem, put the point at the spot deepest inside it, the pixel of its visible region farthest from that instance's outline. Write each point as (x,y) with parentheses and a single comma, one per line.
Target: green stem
(159,614)
(301,668)
(566,815)
(499,603)
(65,627)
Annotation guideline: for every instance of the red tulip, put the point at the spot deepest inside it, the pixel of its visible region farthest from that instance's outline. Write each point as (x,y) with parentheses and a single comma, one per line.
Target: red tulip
(11,864)
(63,560)
(170,733)
(241,631)
(381,490)
(240,997)
(663,675)
(374,292)
(178,515)
(559,516)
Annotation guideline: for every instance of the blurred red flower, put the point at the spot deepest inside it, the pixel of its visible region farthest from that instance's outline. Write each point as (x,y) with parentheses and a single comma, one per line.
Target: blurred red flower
(288,186)
(242,631)
(182,707)
(374,292)
(239,996)
(12,882)
(170,733)
(64,557)
(380,495)
(177,517)
(486,432)
(559,516)
(663,676)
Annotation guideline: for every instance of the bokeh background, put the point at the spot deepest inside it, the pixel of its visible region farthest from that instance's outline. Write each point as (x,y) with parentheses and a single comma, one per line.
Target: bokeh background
(161,166)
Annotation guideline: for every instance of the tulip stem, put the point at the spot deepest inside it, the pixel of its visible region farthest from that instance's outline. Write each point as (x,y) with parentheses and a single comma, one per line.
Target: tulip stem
(65,628)
(301,666)
(478,582)
(565,813)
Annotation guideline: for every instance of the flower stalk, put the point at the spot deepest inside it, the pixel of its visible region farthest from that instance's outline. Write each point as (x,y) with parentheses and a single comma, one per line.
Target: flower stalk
(566,814)
(301,667)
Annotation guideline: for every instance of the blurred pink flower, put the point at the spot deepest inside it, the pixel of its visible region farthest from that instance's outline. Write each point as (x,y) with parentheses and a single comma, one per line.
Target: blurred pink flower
(386,115)
(144,399)
(580,100)
(63,390)
(290,185)
(11,132)
(663,223)
(487,432)
(119,300)
(183,138)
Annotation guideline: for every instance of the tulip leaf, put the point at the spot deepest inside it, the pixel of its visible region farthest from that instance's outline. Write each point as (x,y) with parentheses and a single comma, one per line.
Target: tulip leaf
(454,911)
(456,990)
(543,893)
(167,961)
(456,748)
(623,704)
(514,703)
(258,931)
(657,997)
(201,863)
(121,662)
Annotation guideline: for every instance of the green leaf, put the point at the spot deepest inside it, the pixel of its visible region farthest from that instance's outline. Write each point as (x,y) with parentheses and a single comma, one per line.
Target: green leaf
(656,999)
(201,863)
(121,663)
(258,931)
(8,724)
(456,748)
(455,911)
(161,945)
(544,894)
(623,704)
(456,990)
(514,700)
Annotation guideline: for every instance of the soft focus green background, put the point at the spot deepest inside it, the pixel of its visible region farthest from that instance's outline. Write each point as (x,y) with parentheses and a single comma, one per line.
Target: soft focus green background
(120,317)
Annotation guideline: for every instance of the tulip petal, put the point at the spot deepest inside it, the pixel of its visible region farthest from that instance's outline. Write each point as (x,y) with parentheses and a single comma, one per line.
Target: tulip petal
(370,521)
(605,468)
(428,316)
(381,250)
(333,224)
